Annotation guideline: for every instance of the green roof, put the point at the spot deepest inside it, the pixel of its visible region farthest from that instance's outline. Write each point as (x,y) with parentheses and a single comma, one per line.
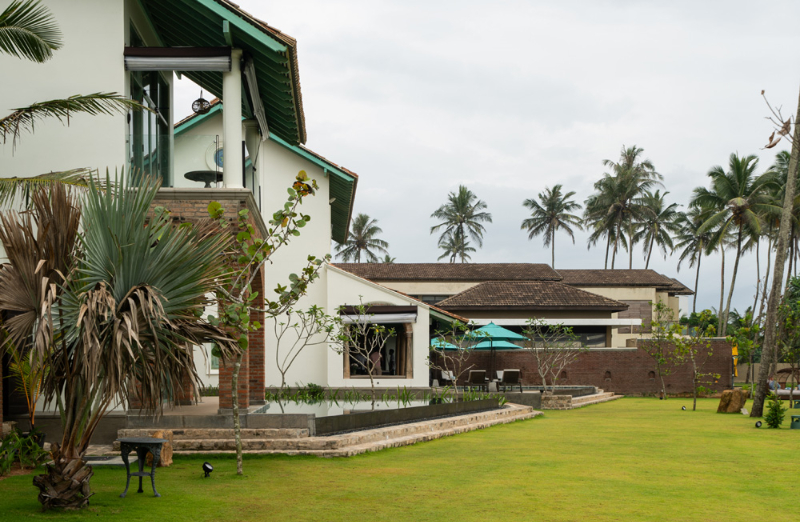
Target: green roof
(343,182)
(199,23)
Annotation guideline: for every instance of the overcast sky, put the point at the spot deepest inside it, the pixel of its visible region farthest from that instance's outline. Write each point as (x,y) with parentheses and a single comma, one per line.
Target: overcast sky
(509,97)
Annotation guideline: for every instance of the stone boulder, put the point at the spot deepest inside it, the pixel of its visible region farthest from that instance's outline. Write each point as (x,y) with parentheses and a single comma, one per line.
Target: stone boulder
(732,401)
(166,449)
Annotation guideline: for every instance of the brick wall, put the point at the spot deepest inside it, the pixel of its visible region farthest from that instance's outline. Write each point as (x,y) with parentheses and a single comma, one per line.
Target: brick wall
(191,205)
(257,363)
(619,370)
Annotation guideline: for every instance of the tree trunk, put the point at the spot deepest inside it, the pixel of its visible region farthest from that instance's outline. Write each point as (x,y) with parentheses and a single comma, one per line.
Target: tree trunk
(696,282)
(764,293)
(649,253)
(608,247)
(66,482)
(630,246)
(791,263)
(758,283)
(768,347)
(724,330)
(721,289)
(553,250)
(237,424)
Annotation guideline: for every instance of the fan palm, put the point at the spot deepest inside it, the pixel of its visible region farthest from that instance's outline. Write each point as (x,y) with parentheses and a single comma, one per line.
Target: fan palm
(616,204)
(455,247)
(362,240)
(736,200)
(549,214)
(656,224)
(692,243)
(463,215)
(105,295)
(28,31)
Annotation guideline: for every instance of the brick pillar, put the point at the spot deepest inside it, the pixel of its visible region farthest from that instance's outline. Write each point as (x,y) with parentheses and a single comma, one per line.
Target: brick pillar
(225,374)
(184,391)
(256,345)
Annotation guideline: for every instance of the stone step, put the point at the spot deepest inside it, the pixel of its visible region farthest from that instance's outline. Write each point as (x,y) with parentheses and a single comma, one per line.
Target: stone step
(194,434)
(342,440)
(595,399)
(377,439)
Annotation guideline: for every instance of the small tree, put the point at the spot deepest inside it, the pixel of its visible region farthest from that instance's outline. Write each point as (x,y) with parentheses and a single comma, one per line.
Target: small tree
(246,259)
(361,340)
(660,345)
(692,349)
(308,328)
(454,361)
(554,347)
(775,412)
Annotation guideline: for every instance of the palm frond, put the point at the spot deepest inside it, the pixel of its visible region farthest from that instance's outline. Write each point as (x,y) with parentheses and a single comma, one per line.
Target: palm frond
(28,30)
(24,119)
(13,188)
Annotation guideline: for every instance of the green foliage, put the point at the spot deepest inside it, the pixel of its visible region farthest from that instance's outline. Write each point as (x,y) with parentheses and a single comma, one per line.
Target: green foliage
(701,323)
(24,449)
(28,30)
(775,412)
(315,392)
(209,391)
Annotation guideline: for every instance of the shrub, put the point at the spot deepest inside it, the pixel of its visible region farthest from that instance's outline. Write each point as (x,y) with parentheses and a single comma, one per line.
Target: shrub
(316,392)
(25,449)
(775,412)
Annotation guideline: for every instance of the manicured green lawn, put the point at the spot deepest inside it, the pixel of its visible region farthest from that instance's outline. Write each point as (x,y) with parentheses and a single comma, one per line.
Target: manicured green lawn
(632,459)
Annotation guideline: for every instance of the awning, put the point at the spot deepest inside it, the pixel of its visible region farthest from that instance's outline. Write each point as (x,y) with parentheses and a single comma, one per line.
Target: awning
(614,323)
(379,314)
(177,59)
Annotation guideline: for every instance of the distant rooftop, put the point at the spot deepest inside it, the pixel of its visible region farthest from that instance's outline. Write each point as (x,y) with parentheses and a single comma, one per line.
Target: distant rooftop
(452,271)
(529,295)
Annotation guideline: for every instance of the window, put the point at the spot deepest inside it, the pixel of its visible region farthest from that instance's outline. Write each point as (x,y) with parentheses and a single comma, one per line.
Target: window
(149,133)
(392,360)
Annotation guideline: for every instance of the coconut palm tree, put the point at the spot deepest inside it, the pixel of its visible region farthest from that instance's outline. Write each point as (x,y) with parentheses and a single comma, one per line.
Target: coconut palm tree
(387,259)
(596,220)
(105,294)
(28,31)
(656,224)
(455,247)
(616,204)
(549,214)
(362,240)
(736,200)
(463,215)
(692,243)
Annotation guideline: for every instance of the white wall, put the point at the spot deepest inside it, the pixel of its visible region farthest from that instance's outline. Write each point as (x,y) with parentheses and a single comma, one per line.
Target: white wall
(346,289)
(94,36)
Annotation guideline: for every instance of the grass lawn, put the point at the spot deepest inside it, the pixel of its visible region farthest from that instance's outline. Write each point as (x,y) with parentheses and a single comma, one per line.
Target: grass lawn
(631,459)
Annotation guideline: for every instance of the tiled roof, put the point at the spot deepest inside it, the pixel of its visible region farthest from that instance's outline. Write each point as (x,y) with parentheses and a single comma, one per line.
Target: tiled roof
(451,271)
(679,288)
(435,308)
(529,295)
(617,277)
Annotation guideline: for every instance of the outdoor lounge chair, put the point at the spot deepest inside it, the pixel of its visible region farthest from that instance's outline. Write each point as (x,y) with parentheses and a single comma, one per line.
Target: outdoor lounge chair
(477,379)
(509,380)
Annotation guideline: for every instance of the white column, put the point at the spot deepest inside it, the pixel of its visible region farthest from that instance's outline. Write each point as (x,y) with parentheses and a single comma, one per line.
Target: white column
(232,123)
(253,140)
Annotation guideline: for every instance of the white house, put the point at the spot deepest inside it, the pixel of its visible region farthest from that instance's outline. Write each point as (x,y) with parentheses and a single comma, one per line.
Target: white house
(136,48)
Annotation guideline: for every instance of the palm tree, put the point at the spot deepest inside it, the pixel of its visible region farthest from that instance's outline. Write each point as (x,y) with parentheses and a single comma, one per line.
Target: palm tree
(736,200)
(616,204)
(455,247)
(28,31)
(105,294)
(461,216)
(692,243)
(551,213)
(362,239)
(387,259)
(657,223)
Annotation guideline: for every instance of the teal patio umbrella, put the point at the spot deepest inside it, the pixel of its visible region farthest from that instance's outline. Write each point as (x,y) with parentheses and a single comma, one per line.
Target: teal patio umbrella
(493,336)
(442,344)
